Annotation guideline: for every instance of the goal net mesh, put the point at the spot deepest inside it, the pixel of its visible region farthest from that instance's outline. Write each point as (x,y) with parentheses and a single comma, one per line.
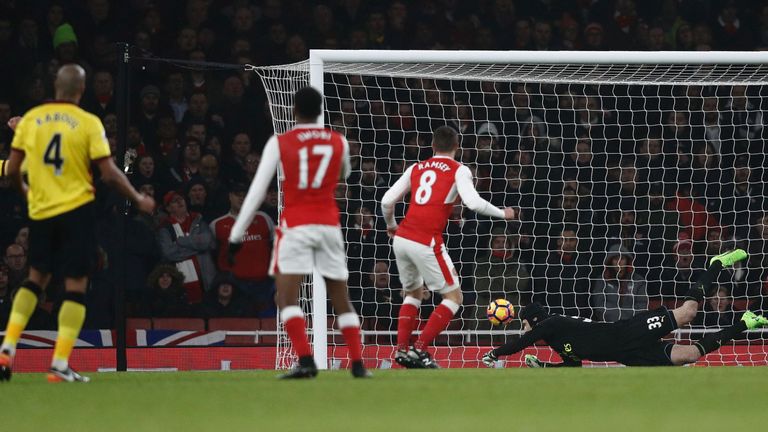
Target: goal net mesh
(628,178)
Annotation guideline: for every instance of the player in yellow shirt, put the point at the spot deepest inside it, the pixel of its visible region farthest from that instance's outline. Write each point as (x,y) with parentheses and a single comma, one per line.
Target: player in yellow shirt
(59,141)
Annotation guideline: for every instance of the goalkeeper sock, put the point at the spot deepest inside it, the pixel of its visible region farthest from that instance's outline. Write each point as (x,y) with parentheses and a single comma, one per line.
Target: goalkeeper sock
(438,321)
(296,327)
(71,318)
(702,285)
(349,324)
(24,304)
(406,321)
(713,341)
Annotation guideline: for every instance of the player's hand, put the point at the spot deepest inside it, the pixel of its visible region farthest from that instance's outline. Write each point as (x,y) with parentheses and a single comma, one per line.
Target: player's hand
(146,204)
(510,213)
(533,362)
(392,231)
(232,250)
(489,359)
(13,122)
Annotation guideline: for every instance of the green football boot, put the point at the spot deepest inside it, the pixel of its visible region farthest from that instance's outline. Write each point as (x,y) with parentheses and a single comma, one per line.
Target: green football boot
(729,258)
(754,320)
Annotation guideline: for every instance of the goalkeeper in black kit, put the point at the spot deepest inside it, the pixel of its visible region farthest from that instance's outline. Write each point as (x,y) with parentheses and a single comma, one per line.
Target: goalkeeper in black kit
(633,342)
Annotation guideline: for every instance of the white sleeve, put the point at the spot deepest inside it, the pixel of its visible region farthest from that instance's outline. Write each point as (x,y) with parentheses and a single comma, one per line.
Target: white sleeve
(346,165)
(471,198)
(270,159)
(398,190)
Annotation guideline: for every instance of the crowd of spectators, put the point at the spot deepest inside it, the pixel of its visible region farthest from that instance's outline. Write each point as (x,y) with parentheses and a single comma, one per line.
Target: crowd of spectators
(623,192)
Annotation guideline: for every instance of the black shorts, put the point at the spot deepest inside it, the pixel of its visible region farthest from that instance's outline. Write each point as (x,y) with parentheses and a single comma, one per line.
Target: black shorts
(65,244)
(658,353)
(640,338)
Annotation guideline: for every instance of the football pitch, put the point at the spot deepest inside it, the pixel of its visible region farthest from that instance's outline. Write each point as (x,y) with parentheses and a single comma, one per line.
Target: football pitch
(610,399)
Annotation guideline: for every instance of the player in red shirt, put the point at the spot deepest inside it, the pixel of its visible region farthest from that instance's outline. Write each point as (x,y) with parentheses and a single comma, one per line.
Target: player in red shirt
(435,185)
(312,160)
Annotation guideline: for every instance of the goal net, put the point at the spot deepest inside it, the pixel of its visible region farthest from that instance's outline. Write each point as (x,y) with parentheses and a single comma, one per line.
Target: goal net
(630,170)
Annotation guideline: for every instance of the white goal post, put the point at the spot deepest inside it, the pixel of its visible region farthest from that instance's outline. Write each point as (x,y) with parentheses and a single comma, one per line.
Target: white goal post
(536,108)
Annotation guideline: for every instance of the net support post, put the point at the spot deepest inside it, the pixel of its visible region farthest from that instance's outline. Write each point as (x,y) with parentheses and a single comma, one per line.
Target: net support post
(319,320)
(122,103)
(319,292)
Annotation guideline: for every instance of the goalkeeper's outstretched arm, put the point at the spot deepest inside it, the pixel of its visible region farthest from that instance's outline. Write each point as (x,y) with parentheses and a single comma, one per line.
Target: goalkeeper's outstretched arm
(541,331)
(527,339)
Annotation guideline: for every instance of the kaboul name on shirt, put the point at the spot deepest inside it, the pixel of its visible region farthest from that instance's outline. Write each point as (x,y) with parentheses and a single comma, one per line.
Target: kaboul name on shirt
(58,117)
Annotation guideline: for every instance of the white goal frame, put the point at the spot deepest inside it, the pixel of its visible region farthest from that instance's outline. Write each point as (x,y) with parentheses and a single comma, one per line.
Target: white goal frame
(320,58)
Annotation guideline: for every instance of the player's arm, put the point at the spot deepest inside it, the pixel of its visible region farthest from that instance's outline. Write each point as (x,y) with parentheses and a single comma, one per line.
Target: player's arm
(12,167)
(346,163)
(392,196)
(474,201)
(270,159)
(114,177)
(111,175)
(12,123)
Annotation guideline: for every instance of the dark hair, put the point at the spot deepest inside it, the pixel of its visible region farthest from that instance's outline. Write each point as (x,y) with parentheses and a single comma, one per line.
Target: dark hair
(534,313)
(308,102)
(444,139)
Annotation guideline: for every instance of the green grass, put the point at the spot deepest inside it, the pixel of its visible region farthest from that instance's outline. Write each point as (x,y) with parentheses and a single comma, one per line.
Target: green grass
(613,399)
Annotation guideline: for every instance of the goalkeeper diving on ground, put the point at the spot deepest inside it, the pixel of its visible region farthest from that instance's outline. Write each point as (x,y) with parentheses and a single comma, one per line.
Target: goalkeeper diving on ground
(633,342)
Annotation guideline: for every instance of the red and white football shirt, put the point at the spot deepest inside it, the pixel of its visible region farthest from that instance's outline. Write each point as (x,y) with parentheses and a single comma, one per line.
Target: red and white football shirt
(312,159)
(435,185)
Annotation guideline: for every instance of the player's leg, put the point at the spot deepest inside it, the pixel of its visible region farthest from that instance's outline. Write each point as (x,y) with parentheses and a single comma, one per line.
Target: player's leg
(439,275)
(292,261)
(331,262)
(24,304)
(75,255)
(413,289)
(292,317)
(688,310)
(684,354)
(71,318)
(349,324)
(25,300)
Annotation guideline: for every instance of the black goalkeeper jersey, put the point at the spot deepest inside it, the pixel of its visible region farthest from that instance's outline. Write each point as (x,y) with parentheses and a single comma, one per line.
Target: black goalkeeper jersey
(577,339)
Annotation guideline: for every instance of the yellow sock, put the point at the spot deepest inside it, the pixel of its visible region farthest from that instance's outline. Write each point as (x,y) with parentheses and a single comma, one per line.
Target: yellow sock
(24,304)
(71,317)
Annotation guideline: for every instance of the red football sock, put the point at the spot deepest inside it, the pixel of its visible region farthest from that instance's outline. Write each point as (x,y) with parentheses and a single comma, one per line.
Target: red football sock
(438,321)
(296,329)
(354,346)
(406,322)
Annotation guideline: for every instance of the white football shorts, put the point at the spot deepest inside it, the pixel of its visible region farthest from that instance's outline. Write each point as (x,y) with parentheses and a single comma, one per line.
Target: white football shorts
(300,249)
(420,264)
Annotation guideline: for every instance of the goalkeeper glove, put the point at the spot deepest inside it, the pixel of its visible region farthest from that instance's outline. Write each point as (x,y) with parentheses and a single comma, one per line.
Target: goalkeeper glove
(533,362)
(232,250)
(489,359)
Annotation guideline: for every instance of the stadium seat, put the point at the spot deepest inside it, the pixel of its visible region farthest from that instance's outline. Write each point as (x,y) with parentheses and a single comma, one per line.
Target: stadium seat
(269,324)
(193,324)
(133,324)
(654,303)
(741,304)
(235,324)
